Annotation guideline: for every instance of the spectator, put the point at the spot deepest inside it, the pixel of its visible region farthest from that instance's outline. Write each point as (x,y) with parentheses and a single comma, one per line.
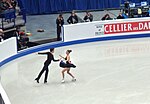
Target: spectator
(73,18)
(17,33)
(120,16)
(125,15)
(148,13)
(1,35)
(88,17)
(60,23)
(106,17)
(3,6)
(13,3)
(5,9)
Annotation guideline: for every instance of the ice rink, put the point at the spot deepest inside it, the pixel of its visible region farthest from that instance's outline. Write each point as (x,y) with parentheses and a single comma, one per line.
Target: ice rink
(110,72)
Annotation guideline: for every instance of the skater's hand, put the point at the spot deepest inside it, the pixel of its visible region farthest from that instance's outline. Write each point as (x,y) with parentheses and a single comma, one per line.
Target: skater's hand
(60,59)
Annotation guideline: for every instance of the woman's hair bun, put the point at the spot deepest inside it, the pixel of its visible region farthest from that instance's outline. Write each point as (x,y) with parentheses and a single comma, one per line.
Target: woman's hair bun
(69,51)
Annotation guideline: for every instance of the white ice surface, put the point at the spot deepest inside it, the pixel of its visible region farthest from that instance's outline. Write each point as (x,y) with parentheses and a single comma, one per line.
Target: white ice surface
(112,72)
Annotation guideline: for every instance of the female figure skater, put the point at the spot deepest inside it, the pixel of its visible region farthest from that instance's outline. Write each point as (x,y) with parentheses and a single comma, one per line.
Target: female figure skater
(50,57)
(67,66)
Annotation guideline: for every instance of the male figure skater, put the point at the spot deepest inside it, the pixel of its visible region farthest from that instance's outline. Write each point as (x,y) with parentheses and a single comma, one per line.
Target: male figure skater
(50,57)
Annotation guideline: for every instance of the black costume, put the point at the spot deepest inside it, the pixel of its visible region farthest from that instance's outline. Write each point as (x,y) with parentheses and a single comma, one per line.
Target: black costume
(88,18)
(50,57)
(60,23)
(66,64)
(106,17)
(72,19)
(19,40)
(120,17)
(1,38)
(14,3)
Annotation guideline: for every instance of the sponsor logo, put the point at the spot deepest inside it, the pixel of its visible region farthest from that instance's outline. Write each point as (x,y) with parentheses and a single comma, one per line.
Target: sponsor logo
(99,29)
(127,27)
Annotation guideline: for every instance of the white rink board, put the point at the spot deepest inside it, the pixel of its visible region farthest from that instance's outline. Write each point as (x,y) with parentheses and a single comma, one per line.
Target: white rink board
(8,48)
(106,28)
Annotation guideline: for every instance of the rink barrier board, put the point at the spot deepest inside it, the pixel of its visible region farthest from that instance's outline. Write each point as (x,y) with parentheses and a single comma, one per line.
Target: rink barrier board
(8,48)
(106,28)
(62,44)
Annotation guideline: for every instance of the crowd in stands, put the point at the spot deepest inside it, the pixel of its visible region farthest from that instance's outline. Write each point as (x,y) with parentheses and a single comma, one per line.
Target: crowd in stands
(73,18)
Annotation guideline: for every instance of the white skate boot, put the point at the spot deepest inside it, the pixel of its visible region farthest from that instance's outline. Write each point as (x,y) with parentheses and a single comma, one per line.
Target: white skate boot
(62,81)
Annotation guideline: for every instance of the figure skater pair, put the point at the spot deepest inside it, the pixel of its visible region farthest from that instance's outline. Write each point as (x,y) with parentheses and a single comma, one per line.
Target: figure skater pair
(50,57)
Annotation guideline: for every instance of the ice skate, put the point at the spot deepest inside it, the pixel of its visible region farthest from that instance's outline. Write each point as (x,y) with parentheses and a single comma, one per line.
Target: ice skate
(37,80)
(73,79)
(63,81)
